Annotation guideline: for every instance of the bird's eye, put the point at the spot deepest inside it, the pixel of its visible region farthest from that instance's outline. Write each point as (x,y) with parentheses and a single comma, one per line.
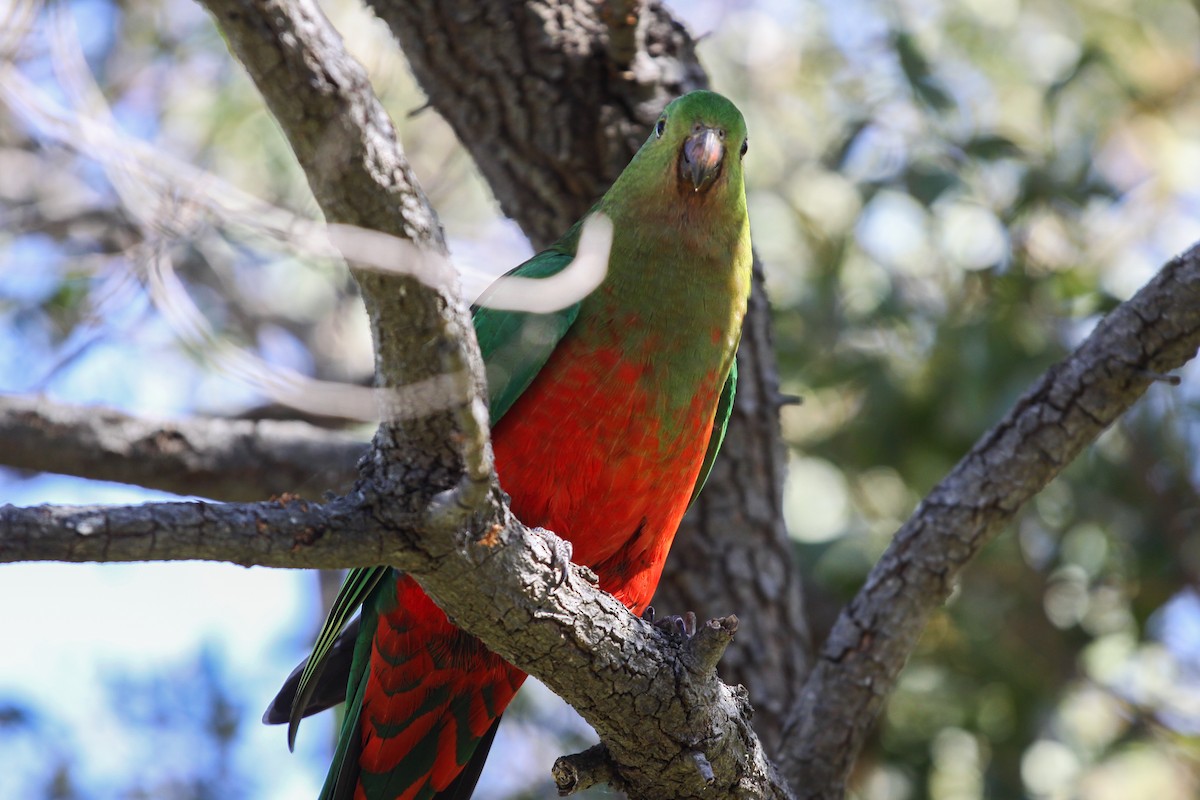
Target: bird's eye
(660,128)
(745,146)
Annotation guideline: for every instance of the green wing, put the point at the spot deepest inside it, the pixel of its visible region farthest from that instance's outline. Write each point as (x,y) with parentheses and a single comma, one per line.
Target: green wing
(720,422)
(339,783)
(515,347)
(354,591)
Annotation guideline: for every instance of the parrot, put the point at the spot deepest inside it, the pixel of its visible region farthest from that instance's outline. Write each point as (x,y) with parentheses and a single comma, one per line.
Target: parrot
(605,416)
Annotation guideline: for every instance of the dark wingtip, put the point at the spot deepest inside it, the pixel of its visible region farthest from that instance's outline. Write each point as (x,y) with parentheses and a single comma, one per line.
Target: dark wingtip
(299,707)
(280,709)
(325,689)
(283,707)
(273,716)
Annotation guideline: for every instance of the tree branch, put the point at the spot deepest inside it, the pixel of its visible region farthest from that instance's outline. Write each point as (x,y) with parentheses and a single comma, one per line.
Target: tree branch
(1156,331)
(654,698)
(283,533)
(347,146)
(532,92)
(224,459)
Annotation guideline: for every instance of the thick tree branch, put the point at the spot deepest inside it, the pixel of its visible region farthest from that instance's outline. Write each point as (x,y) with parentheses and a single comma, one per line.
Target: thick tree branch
(1156,331)
(535,97)
(655,699)
(347,146)
(282,533)
(224,459)
(674,729)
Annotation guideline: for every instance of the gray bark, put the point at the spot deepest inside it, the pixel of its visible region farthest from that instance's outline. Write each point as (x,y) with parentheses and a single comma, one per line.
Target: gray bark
(222,459)
(671,727)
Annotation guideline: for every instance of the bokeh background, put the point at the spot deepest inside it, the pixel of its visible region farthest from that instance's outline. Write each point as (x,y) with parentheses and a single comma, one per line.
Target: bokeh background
(947,195)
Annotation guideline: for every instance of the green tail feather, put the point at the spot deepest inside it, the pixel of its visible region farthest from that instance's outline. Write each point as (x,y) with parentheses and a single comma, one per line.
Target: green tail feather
(343,772)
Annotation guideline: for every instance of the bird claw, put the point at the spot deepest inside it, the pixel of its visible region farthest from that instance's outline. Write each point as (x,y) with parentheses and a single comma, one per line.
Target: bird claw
(682,626)
(560,555)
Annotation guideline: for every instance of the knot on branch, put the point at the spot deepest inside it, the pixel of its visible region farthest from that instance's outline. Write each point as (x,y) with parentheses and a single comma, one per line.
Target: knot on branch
(580,771)
(703,767)
(707,646)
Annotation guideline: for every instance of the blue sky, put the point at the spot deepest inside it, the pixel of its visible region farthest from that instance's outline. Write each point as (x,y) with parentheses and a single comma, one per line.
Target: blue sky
(76,624)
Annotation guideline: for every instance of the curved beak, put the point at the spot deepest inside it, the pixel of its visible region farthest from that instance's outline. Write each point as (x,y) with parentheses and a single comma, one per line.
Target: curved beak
(702,154)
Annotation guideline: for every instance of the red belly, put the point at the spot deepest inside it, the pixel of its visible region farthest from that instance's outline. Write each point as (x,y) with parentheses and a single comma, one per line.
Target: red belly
(592,453)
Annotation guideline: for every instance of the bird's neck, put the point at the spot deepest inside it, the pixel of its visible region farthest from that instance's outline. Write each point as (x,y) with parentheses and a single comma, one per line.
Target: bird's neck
(675,294)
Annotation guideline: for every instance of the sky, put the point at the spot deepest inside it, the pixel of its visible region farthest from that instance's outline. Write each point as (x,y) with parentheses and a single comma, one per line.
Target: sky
(140,619)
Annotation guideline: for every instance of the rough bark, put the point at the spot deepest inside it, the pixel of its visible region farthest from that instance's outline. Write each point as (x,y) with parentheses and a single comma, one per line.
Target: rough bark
(288,532)
(535,97)
(222,459)
(347,146)
(1156,331)
(552,99)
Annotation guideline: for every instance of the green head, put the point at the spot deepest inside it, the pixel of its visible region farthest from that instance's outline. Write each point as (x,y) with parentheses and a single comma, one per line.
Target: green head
(689,169)
(705,136)
(696,147)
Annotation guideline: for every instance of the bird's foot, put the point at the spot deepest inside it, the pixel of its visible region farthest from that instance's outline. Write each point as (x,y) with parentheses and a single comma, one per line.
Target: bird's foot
(704,644)
(682,626)
(560,554)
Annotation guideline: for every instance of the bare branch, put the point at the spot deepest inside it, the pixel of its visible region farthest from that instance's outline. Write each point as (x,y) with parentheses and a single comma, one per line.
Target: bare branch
(347,146)
(653,697)
(549,120)
(1156,331)
(225,459)
(284,533)
(580,771)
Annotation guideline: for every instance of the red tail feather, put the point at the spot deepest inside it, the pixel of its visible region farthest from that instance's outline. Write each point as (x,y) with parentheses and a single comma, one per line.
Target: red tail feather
(432,693)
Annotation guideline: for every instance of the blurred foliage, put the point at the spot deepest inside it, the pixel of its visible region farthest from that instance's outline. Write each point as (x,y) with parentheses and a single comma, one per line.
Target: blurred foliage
(947,196)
